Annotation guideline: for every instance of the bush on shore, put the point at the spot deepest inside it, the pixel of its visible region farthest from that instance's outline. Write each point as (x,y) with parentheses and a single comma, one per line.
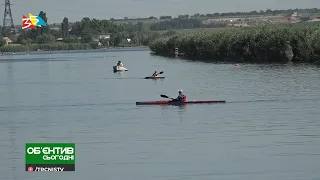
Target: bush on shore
(266,43)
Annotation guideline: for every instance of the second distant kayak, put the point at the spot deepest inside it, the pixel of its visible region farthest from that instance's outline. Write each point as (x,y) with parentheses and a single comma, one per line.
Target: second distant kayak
(151,77)
(119,68)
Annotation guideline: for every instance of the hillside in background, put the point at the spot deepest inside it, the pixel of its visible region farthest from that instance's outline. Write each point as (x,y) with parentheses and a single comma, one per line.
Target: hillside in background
(218,20)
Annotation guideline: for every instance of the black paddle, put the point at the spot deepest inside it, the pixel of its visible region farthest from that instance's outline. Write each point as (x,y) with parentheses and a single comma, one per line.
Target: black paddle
(164,96)
(160,72)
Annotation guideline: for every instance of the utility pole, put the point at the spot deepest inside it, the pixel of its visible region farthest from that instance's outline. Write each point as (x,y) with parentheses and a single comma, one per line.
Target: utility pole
(7,19)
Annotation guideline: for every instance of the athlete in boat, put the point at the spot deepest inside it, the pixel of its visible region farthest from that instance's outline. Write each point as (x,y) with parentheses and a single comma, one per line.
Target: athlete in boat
(155,74)
(120,64)
(181,97)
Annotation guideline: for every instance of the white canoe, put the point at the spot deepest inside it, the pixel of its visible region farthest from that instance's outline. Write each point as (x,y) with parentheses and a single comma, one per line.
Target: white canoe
(118,68)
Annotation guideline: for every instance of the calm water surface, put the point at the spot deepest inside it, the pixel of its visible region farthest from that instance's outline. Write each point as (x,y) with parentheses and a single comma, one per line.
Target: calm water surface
(268,129)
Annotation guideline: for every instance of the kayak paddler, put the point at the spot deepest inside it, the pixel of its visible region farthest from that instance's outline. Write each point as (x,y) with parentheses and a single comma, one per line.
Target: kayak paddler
(120,64)
(155,74)
(181,97)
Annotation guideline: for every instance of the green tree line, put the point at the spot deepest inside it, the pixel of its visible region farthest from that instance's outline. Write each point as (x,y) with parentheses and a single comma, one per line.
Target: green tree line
(83,32)
(80,35)
(179,23)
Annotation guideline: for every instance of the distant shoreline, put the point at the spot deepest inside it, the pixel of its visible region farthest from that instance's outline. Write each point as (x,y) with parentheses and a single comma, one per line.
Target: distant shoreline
(104,49)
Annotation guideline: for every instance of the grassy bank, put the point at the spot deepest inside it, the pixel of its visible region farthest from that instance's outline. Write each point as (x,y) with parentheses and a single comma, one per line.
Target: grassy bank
(48,47)
(268,43)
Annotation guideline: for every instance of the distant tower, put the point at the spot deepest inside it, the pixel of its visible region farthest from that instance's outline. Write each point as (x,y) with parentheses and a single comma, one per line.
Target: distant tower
(7,18)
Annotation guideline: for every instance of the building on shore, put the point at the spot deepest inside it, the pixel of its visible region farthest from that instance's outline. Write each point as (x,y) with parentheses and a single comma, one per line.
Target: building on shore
(7,40)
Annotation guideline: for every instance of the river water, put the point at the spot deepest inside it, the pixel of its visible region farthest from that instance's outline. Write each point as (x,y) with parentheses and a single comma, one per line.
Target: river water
(268,129)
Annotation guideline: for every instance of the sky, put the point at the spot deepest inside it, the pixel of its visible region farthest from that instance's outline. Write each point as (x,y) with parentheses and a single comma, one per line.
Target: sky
(75,10)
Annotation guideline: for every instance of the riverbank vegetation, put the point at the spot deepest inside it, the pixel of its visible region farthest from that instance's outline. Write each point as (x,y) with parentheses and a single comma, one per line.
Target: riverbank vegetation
(265,43)
(93,33)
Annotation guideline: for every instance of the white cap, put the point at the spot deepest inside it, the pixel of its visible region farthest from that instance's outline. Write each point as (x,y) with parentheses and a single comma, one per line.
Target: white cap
(180,90)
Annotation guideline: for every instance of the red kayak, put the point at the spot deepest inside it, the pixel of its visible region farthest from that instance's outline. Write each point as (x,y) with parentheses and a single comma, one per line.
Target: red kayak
(176,102)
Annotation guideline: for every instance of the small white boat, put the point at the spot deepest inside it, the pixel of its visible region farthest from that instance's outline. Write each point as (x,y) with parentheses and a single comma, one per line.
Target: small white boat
(119,68)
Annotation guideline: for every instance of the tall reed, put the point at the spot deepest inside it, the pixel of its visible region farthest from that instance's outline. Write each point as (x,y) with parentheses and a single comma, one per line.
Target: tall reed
(264,43)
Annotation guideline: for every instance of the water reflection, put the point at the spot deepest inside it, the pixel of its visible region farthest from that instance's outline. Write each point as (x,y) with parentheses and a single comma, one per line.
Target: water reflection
(166,106)
(119,74)
(181,109)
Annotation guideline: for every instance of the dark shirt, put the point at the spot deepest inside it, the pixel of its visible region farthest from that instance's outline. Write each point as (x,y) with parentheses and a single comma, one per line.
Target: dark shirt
(180,97)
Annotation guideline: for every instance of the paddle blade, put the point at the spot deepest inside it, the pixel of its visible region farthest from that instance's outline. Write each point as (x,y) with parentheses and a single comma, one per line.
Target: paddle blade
(164,96)
(161,72)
